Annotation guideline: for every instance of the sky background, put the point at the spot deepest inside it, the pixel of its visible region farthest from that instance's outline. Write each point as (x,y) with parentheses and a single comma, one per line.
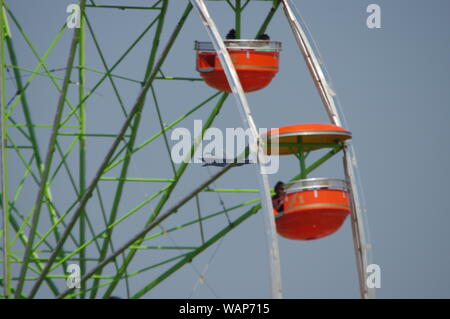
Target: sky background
(393,85)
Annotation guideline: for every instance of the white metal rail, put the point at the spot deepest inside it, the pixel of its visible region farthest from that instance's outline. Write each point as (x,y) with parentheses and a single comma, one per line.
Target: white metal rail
(360,240)
(247,118)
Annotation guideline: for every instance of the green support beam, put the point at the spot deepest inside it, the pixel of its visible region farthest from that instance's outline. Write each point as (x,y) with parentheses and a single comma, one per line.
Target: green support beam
(4,161)
(131,142)
(88,193)
(190,256)
(317,163)
(116,155)
(82,139)
(168,192)
(137,239)
(237,13)
(48,159)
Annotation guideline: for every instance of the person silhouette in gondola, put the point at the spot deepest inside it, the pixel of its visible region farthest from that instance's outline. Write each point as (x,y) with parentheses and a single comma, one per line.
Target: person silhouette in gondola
(263,37)
(231,35)
(265,40)
(278,198)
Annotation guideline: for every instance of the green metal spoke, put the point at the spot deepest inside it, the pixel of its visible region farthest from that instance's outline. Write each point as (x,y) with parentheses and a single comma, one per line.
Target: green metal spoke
(99,235)
(58,221)
(161,125)
(143,247)
(137,239)
(90,134)
(14,258)
(204,218)
(103,78)
(121,77)
(21,147)
(179,78)
(4,163)
(181,169)
(237,14)
(105,220)
(153,7)
(64,163)
(269,17)
(20,229)
(86,68)
(301,157)
(245,4)
(66,167)
(135,273)
(180,264)
(23,179)
(102,233)
(122,7)
(69,255)
(137,179)
(92,232)
(46,75)
(12,290)
(82,145)
(93,205)
(22,158)
(230,4)
(199,215)
(197,251)
(48,159)
(130,145)
(25,106)
(155,136)
(41,125)
(108,72)
(20,129)
(87,194)
(41,61)
(23,239)
(139,206)
(319,162)
(22,96)
(52,209)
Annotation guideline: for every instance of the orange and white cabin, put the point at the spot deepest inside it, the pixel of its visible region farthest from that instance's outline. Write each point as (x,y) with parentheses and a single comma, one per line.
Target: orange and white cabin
(256,63)
(313,208)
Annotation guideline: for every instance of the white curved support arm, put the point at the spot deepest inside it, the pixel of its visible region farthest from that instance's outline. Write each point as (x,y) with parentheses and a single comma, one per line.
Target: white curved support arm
(246,116)
(360,237)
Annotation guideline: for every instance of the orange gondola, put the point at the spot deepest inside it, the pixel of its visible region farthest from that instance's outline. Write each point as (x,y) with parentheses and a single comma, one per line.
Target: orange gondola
(256,63)
(313,207)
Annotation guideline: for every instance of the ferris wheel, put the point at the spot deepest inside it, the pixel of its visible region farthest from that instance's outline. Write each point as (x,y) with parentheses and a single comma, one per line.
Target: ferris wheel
(77,220)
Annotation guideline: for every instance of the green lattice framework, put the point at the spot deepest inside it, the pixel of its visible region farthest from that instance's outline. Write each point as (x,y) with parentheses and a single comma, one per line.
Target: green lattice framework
(36,254)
